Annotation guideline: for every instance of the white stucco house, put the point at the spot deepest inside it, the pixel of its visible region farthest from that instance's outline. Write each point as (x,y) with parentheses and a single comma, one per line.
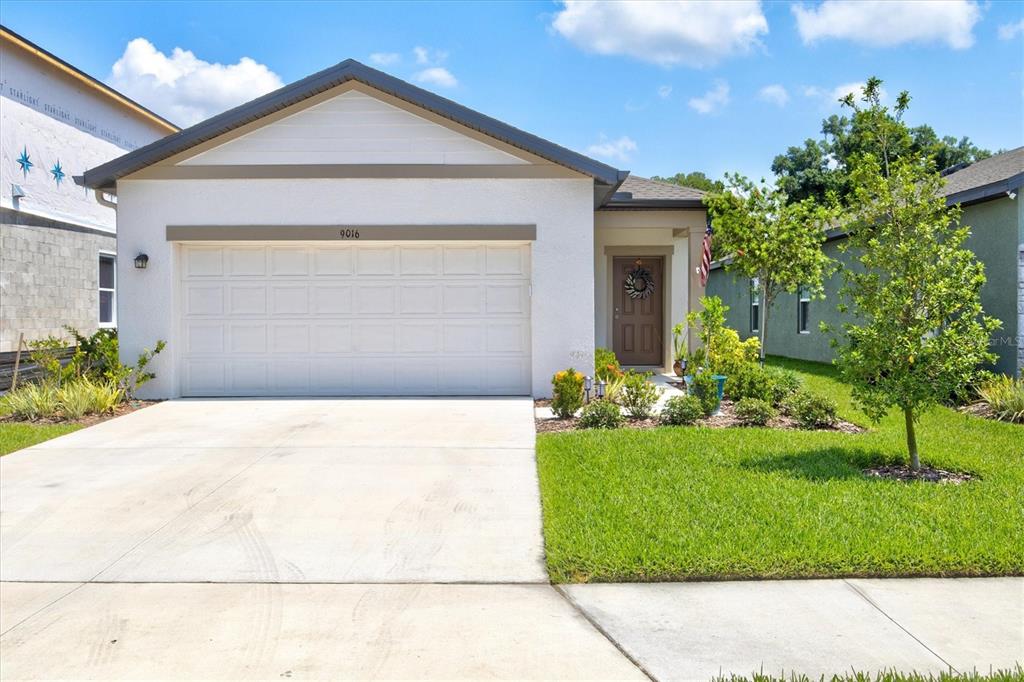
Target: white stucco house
(352,234)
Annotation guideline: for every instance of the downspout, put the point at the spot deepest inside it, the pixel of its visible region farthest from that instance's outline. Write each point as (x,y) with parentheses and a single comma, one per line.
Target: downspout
(102,200)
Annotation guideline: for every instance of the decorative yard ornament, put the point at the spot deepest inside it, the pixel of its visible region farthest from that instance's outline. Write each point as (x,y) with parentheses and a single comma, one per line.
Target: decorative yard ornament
(639,283)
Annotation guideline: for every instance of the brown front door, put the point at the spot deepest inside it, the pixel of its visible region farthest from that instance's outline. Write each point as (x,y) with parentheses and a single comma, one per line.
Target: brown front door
(637,321)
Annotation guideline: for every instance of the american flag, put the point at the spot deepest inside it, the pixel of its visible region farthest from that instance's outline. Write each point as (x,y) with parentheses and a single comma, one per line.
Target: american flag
(705,258)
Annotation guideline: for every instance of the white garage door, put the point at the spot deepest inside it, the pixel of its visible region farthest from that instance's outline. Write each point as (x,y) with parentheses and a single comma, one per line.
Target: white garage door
(373,319)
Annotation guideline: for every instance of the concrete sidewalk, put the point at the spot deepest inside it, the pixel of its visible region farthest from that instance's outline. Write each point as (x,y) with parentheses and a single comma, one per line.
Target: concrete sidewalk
(694,631)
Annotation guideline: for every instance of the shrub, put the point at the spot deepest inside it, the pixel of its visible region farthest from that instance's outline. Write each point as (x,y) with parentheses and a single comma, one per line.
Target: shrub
(680,410)
(784,384)
(705,388)
(606,365)
(638,395)
(567,396)
(749,380)
(80,397)
(722,350)
(97,357)
(31,401)
(613,388)
(601,414)
(811,411)
(755,412)
(1005,398)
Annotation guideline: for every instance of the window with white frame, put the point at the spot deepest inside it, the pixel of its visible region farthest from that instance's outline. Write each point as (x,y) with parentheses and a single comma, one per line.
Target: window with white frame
(803,310)
(755,305)
(108,290)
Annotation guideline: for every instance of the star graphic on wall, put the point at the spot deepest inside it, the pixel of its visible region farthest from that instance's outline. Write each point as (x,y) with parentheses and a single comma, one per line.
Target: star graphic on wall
(24,161)
(57,172)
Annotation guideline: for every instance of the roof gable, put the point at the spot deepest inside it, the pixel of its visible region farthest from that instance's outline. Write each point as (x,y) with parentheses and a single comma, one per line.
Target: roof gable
(353,127)
(106,175)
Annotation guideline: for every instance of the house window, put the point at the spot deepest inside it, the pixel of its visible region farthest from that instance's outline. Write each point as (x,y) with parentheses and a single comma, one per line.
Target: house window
(803,310)
(755,306)
(108,289)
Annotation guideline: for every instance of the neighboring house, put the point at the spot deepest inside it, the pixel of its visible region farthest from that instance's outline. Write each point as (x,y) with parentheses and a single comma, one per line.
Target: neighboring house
(354,234)
(988,192)
(57,243)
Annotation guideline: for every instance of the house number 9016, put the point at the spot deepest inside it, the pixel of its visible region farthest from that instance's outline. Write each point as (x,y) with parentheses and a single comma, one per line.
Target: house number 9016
(349,234)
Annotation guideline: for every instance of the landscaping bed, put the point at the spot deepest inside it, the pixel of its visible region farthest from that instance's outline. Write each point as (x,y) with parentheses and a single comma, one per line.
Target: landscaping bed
(685,503)
(726,419)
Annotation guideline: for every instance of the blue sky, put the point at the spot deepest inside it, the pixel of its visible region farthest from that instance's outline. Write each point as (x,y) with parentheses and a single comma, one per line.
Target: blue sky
(652,88)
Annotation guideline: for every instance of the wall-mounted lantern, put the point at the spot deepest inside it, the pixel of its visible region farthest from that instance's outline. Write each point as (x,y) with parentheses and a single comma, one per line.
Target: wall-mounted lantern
(141,261)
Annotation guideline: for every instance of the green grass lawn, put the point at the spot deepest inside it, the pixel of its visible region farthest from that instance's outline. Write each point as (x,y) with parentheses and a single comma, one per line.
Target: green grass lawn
(18,435)
(679,503)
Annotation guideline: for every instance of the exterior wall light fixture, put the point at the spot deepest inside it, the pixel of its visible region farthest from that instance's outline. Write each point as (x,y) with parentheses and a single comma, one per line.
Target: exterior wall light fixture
(141,261)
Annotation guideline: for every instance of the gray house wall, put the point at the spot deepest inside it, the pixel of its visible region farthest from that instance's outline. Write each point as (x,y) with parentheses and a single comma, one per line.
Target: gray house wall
(49,277)
(997,238)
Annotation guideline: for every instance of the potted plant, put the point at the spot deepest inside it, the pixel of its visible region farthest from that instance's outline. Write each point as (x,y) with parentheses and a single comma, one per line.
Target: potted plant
(679,349)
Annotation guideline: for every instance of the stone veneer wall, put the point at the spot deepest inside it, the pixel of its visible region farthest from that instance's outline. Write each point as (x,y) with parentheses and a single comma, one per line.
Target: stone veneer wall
(48,278)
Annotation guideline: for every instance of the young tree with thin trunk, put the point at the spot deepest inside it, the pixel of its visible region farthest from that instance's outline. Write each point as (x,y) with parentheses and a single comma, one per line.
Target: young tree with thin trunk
(769,240)
(919,332)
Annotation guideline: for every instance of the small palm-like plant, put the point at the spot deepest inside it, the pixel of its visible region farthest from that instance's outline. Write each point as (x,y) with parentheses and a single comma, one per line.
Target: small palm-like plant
(1005,398)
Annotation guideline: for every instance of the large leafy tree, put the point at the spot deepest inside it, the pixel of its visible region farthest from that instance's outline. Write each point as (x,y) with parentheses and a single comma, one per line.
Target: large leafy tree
(918,332)
(696,180)
(824,165)
(769,239)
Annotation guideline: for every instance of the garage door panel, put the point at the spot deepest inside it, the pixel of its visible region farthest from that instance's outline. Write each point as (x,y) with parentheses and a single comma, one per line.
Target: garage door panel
(204,337)
(419,299)
(507,260)
(247,299)
(332,261)
(378,299)
(204,299)
(248,337)
(247,261)
(462,299)
(419,260)
(247,377)
(375,261)
(289,262)
(463,260)
(332,338)
(332,299)
(289,300)
(355,319)
(289,338)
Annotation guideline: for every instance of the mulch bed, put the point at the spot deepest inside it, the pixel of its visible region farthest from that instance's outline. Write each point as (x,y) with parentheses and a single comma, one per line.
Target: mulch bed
(89,419)
(901,472)
(727,419)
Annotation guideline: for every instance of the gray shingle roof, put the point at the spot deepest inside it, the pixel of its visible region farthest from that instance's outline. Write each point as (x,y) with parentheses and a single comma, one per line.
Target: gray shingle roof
(638,192)
(986,178)
(106,175)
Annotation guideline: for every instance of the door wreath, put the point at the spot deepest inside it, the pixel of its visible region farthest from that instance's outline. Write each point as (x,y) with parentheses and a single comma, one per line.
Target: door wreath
(639,283)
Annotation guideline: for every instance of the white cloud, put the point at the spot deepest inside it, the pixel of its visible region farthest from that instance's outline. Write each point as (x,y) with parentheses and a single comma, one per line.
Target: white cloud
(437,75)
(184,88)
(617,150)
(830,96)
(1011,31)
(885,23)
(695,33)
(426,55)
(712,100)
(775,94)
(385,58)
(664,91)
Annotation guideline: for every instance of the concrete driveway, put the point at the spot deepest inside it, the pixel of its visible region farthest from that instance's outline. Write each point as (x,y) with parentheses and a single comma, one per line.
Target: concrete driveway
(360,538)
